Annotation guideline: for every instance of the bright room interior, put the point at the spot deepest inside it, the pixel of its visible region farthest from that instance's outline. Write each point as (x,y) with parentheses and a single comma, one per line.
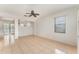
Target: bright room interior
(52,30)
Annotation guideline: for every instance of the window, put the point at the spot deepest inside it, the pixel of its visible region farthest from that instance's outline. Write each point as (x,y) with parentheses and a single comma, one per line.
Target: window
(60,25)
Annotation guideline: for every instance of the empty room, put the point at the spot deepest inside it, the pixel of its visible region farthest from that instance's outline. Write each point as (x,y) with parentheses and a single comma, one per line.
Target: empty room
(38,28)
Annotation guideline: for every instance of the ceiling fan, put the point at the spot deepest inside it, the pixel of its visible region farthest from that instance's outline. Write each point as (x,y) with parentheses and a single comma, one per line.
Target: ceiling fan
(31,14)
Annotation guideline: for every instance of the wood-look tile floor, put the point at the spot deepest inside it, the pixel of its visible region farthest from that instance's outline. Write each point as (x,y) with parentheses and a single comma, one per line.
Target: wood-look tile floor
(36,45)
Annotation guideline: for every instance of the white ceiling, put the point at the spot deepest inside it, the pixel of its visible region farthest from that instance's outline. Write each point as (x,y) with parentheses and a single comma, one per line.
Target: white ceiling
(18,10)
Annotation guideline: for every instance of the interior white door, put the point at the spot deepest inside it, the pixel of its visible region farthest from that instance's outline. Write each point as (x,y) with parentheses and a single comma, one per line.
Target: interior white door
(9,34)
(6,34)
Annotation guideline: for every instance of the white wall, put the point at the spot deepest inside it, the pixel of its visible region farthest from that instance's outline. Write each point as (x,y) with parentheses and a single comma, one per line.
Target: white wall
(16,28)
(45,27)
(25,31)
(78,31)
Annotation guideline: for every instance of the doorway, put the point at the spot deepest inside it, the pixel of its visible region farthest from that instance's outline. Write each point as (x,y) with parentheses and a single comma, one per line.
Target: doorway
(8,32)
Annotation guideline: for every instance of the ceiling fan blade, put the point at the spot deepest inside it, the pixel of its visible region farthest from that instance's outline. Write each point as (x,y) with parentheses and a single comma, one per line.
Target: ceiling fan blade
(37,14)
(30,15)
(27,13)
(34,15)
